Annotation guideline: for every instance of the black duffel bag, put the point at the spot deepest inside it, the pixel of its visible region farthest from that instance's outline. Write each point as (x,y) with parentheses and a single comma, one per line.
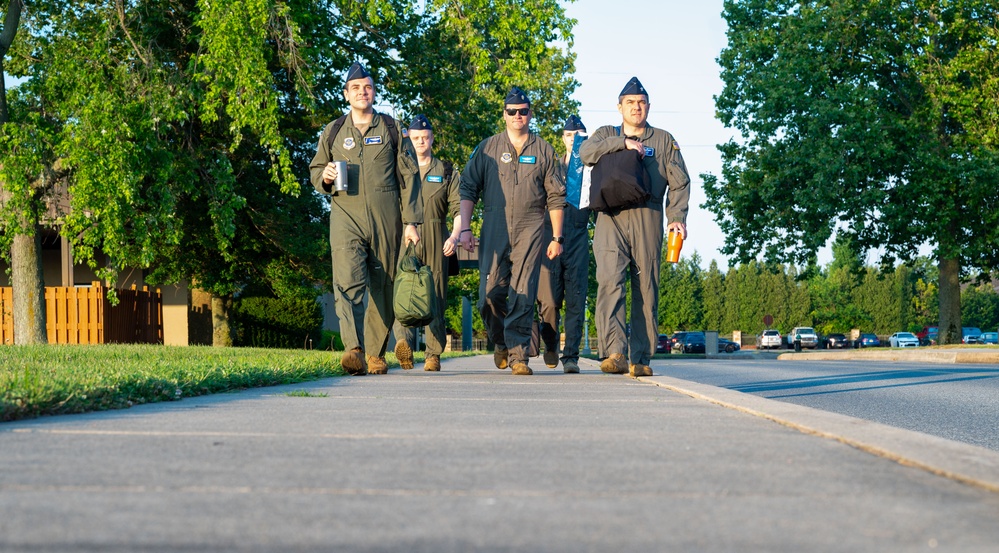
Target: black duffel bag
(619,181)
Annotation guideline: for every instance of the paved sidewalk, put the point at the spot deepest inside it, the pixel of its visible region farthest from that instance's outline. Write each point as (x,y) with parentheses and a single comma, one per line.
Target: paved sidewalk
(475,459)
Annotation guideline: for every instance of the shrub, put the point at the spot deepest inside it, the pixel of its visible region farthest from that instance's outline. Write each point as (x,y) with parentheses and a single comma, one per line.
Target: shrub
(277,322)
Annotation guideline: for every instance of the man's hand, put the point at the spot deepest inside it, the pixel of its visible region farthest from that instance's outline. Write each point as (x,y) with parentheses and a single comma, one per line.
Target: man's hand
(554,249)
(329,173)
(410,234)
(450,246)
(677,227)
(635,145)
(468,241)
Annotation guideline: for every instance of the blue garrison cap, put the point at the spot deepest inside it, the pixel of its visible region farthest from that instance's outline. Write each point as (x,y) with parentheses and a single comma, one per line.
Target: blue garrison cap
(517,96)
(574,123)
(357,71)
(634,86)
(421,123)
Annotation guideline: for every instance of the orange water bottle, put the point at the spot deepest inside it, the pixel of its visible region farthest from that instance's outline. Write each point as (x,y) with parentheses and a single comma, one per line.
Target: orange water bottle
(674,242)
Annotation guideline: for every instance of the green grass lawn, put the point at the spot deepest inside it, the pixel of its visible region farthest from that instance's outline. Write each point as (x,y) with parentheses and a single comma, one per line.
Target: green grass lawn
(60,379)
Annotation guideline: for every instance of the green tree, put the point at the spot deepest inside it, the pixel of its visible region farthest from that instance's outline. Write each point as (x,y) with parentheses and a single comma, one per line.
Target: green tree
(981,306)
(681,293)
(714,298)
(873,117)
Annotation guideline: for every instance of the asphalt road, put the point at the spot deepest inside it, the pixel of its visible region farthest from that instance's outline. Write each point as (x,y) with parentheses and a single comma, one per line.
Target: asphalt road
(956,402)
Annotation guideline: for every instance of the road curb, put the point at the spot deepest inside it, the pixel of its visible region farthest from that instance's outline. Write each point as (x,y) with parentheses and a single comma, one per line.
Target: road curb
(965,463)
(914,355)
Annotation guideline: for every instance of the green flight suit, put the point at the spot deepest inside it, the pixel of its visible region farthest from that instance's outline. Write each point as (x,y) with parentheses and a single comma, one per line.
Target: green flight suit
(630,240)
(517,191)
(441,203)
(366,225)
(565,278)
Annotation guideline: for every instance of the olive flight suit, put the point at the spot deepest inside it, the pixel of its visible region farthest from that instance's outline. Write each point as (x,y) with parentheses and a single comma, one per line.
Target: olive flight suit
(631,240)
(565,278)
(366,224)
(441,204)
(517,191)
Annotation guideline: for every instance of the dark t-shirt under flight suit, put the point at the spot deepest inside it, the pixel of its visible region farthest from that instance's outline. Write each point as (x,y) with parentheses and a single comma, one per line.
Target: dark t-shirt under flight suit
(630,240)
(517,191)
(366,224)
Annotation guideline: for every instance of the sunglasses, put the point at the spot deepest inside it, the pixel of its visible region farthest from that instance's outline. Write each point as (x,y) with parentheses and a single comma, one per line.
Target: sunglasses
(522,111)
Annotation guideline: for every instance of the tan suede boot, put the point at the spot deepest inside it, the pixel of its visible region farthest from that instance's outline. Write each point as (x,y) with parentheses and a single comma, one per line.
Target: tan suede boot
(500,358)
(433,363)
(521,369)
(615,364)
(404,354)
(377,365)
(353,362)
(637,370)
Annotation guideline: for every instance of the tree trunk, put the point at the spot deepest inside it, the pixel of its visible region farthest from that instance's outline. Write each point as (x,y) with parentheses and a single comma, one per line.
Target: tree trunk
(29,289)
(221,327)
(950,302)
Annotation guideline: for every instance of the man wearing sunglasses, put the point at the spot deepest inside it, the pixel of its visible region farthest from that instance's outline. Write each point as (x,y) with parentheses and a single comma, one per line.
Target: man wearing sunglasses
(367,218)
(517,176)
(630,240)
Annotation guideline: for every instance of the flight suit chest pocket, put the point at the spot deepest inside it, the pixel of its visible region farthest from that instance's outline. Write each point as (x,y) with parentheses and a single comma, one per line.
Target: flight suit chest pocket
(530,182)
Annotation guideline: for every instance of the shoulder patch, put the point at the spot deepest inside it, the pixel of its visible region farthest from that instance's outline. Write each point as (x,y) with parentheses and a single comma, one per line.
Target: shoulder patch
(676,146)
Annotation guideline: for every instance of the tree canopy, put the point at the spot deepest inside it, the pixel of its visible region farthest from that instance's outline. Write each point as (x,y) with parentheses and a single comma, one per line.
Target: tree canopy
(871,119)
(183,129)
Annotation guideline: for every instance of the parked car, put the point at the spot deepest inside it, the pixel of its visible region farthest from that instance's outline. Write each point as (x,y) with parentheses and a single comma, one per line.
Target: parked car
(804,334)
(837,341)
(991,338)
(868,341)
(769,338)
(970,334)
(676,339)
(903,340)
(662,346)
(693,342)
(728,346)
(927,336)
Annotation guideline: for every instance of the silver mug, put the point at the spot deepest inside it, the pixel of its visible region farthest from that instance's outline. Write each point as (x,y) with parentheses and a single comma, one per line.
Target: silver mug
(340,185)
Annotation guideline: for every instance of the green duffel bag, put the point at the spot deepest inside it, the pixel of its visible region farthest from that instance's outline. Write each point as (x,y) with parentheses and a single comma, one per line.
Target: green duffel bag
(415,299)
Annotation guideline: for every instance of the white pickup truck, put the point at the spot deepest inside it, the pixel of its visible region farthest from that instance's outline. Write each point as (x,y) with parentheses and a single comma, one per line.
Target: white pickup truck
(804,334)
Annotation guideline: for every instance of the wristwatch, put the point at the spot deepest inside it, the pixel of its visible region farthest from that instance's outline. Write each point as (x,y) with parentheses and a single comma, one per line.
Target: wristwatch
(558,239)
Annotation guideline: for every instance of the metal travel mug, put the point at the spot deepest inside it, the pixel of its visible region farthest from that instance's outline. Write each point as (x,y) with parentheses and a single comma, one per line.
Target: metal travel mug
(673,245)
(340,185)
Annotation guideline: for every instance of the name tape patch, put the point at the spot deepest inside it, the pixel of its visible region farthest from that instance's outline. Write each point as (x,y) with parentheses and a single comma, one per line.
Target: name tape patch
(372,140)
(435,178)
(528,159)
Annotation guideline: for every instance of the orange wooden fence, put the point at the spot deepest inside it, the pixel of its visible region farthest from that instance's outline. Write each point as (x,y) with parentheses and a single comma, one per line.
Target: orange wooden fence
(83,315)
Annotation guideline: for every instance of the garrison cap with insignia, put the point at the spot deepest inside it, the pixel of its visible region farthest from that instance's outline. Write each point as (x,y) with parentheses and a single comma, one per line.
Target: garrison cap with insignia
(574,123)
(517,96)
(357,71)
(421,123)
(634,86)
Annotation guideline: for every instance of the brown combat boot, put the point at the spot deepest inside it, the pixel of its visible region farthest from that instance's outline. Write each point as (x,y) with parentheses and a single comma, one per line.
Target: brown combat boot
(433,363)
(638,370)
(522,369)
(570,367)
(404,354)
(353,362)
(377,365)
(615,364)
(500,357)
